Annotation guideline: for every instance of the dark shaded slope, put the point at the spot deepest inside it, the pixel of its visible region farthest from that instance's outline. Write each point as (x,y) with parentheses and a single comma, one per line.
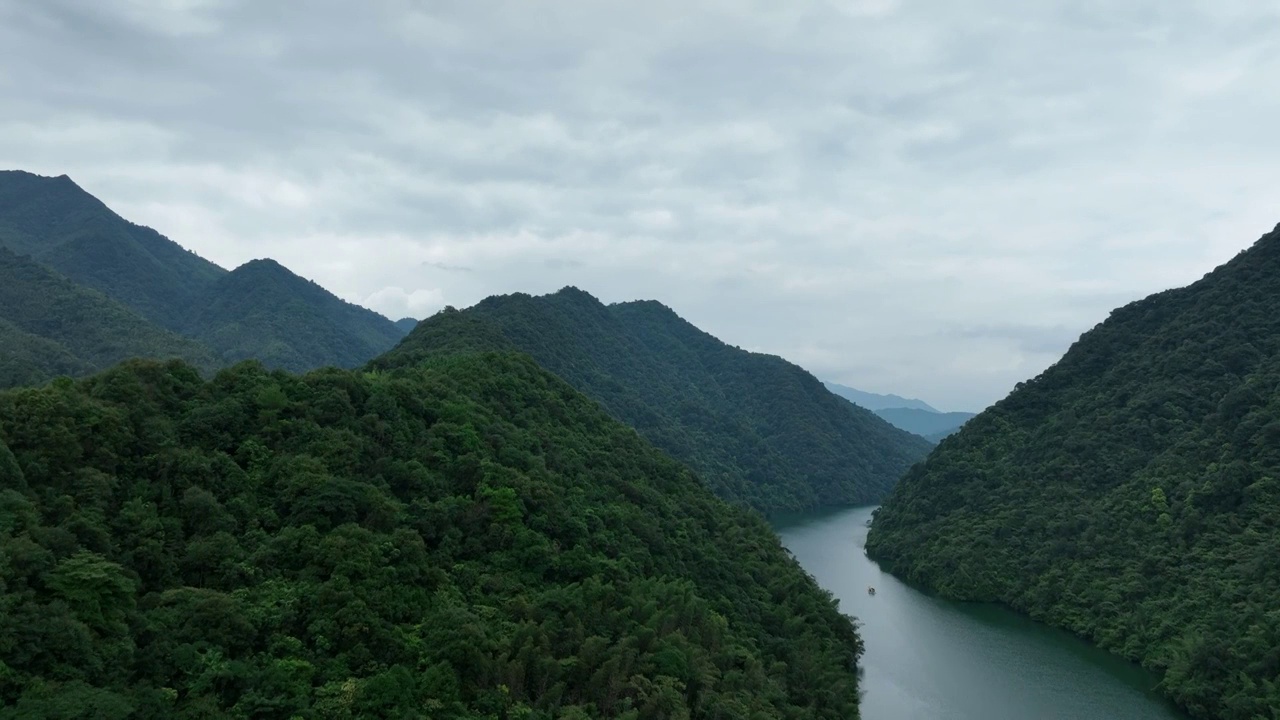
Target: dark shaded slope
(27,359)
(406,325)
(56,222)
(758,429)
(1129,493)
(932,425)
(50,326)
(263,311)
(465,538)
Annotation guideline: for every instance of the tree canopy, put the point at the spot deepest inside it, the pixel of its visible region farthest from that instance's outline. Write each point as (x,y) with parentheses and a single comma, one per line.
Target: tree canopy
(465,538)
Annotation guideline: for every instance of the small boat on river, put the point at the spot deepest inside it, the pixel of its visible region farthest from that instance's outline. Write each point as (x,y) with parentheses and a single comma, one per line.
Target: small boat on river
(871,591)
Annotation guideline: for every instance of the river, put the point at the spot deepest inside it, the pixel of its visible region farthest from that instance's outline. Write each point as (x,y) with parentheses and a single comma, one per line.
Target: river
(931,659)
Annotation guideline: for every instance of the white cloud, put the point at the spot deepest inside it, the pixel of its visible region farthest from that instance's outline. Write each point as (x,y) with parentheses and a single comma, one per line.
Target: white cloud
(396,302)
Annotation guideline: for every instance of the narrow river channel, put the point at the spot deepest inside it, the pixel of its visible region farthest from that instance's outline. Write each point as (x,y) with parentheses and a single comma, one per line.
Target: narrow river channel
(930,659)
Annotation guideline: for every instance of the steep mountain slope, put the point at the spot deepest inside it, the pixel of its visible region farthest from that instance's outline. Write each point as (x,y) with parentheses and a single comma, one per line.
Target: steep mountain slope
(932,425)
(263,311)
(872,401)
(50,326)
(66,228)
(760,430)
(259,311)
(406,325)
(469,538)
(1129,493)
(27,359)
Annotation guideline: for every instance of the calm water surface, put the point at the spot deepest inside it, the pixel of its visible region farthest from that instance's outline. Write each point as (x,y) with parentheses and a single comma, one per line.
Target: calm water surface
(930,659)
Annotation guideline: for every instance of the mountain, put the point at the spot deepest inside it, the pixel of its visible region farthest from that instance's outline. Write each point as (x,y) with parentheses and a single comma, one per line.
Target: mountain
(467,538)
(759,430)
(27,359)
(1130,493)
(406,325)
(263,311)
(50,326)
(872,401)
(62,226)
(931,425)
(914,416)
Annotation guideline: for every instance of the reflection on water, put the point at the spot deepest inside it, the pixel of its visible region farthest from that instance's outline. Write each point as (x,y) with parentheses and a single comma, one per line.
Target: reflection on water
(931,659)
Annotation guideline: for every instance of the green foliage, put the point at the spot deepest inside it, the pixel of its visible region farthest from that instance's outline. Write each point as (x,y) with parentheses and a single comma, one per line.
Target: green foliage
(758,429)
(468,538)
(261,311)
(1129,493)
(49,326)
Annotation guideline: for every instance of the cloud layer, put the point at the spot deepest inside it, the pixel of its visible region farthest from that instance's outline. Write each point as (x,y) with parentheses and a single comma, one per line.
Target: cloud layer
(923,198)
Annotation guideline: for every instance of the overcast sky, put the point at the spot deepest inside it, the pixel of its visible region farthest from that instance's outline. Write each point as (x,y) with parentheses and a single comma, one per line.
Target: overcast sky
(928,198)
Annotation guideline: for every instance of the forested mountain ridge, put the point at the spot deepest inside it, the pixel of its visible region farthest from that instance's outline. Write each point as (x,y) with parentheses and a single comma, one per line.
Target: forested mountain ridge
(465,538)
(1129,493)
(758,429)
(57,223)
(50,326)
(262,311)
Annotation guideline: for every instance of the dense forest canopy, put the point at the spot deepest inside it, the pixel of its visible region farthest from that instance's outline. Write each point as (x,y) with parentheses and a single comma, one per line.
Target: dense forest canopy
(758,429)
(1130,493)
(156,289)
(466,538)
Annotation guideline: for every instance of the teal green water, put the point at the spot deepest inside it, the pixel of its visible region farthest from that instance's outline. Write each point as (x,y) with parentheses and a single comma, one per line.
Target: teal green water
(931,659)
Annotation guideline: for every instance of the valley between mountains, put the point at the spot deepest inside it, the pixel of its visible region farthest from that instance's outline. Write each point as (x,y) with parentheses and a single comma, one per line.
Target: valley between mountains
(230,493)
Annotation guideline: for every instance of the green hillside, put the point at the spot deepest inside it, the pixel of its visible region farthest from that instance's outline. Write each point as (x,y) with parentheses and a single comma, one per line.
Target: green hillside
(50,326)
(1130,493)
(56,222)
(27,359)
(758,429)
(263,311)
(260,311)
(470,538)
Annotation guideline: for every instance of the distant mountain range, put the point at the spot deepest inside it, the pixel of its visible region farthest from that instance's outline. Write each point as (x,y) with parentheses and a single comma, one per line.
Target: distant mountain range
(929,425)
(914,416)
(873,401)
(84,288)
(760,430)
